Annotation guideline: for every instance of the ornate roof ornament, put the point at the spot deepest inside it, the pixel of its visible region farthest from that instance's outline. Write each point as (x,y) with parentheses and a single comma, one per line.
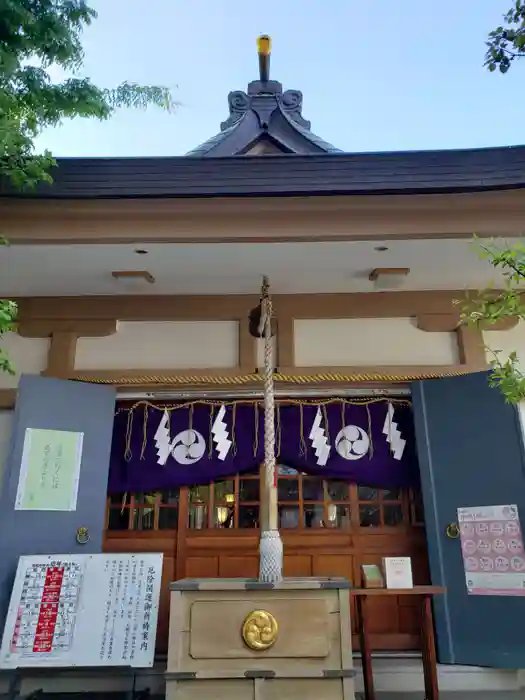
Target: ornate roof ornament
(264,114)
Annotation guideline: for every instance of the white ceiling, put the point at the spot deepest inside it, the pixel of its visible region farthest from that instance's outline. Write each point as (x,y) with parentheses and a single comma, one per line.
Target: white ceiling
(227,268)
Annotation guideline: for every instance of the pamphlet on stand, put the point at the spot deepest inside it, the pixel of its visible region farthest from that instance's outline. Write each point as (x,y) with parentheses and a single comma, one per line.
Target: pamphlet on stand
(398,572)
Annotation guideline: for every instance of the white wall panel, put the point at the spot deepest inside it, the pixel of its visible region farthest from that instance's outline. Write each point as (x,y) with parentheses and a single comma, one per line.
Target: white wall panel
(165,345)
(370,341)
(28,355)
(506,342)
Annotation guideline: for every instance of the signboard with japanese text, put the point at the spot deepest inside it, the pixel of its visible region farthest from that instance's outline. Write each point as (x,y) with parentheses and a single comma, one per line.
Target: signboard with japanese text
(493,552)
(83,610)
(50,470)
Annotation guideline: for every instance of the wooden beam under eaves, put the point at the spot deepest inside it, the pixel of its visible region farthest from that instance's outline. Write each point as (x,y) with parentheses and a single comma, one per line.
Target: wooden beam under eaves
(133,275)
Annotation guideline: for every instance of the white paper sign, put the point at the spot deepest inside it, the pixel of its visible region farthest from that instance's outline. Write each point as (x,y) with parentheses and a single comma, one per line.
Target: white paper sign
(50,470)
(83,610)
(398,572)
(492,549)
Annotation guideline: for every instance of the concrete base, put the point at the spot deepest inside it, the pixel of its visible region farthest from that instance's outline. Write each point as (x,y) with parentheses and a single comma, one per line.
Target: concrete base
(395,677)
(238,639)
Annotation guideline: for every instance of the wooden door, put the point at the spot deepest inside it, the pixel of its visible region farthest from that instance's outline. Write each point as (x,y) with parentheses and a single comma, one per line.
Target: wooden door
(470,446)
(48,404)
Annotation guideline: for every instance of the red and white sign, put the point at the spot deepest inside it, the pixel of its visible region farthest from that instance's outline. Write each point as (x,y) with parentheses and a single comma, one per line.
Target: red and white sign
(83,610)
(47,608)
(493,551)
(48,613)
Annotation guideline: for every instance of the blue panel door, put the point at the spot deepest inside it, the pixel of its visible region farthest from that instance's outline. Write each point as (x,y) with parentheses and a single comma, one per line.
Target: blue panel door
(471,453)
(56,404)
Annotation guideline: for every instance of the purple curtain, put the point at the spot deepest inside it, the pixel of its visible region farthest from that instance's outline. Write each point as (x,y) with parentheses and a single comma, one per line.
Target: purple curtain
(368,442)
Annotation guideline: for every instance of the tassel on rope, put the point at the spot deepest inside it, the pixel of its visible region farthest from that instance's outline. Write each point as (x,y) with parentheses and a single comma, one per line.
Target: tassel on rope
(303,448)
(370,437)
(124,503)
(326,426)
(129,431)
(144,434)
(256,429)
(210,433)
(234,441)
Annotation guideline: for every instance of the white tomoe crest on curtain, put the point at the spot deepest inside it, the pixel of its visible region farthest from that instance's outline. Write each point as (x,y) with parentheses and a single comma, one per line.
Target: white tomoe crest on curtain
(188,447)
(319,440)
(352,442)
(393,434)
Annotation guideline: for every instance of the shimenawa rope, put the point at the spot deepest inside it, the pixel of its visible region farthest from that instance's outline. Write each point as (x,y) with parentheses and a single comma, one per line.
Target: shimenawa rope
(271,546)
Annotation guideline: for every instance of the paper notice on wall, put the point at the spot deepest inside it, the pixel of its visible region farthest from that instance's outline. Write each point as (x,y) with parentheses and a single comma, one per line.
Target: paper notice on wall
(50,470)
(492,549)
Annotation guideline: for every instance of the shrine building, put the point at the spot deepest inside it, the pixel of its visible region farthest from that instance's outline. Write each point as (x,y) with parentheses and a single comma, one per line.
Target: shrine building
(135,278)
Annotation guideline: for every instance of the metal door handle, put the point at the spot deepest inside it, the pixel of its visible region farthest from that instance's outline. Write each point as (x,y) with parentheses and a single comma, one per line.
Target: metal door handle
(452,531)
(82,535)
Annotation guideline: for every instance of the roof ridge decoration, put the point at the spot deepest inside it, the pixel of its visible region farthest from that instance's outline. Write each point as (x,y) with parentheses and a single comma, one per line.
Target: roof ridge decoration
(289,102)
(264,114)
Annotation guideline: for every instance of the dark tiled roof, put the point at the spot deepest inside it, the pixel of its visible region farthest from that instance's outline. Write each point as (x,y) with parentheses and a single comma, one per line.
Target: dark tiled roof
(417,172)
(263,112)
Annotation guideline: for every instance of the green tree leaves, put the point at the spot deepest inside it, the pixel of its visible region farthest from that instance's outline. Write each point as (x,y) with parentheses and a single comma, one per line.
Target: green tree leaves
(507,42)
(8,311)
(490,306)
(36,35)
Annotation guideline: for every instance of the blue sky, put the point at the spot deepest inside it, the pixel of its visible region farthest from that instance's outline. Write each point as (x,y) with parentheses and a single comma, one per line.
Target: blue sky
(376,75)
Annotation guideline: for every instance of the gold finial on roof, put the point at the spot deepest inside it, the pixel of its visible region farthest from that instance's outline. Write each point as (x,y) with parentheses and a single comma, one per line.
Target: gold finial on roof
(264,49)
(264,45)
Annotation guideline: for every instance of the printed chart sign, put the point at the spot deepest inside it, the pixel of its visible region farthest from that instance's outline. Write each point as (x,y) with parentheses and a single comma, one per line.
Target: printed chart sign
(50,470)
(83,610)
(492,548)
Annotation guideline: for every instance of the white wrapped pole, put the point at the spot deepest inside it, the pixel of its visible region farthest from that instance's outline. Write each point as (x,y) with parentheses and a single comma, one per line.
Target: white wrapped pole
(271,546)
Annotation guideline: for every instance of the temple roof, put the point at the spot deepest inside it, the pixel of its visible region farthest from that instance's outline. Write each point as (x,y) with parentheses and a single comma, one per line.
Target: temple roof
(264,120)
(264,115)
(286,160)
(406,173)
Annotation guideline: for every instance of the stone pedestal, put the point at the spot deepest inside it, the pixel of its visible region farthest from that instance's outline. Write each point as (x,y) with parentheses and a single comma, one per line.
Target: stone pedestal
(238,639)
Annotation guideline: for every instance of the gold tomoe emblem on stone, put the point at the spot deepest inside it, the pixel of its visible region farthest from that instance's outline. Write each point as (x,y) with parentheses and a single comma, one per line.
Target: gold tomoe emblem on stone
(259,630)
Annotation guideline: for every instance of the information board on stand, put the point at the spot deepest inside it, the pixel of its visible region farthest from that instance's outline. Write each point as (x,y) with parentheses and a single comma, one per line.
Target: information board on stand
(83,611)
